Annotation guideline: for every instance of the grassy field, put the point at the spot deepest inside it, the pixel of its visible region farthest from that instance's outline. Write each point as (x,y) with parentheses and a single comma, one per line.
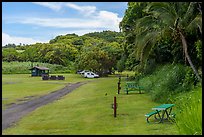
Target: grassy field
(18,87)
(86,110)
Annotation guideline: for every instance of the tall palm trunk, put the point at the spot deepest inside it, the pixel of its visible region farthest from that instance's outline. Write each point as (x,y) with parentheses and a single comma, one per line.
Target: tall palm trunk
(187,56)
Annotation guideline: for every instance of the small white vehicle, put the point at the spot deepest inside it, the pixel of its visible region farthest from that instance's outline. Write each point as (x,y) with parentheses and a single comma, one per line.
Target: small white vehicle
(82,72)
(90,75)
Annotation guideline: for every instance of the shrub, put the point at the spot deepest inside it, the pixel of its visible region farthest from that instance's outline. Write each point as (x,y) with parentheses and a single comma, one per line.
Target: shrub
(190,79)
(189,112)
(165,82)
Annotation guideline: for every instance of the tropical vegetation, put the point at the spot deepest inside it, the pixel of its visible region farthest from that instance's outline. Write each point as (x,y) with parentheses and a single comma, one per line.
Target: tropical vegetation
(161,42)
(167,28)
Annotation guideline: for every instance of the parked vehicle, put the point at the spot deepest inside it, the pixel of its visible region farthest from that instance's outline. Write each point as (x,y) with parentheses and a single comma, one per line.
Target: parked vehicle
(78,71)
(82,72)
(90,75)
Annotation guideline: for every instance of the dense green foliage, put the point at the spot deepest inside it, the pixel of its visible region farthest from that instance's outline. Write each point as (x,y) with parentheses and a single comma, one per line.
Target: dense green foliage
(171,29)
(109,36)
(167,81)
(98,51)
(23,67)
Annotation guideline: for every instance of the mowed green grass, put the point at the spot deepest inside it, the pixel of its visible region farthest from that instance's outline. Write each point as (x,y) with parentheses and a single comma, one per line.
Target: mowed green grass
(87,110)
(16,87)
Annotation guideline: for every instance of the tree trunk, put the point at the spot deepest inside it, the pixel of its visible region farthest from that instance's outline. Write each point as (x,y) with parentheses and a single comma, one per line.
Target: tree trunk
(184,43)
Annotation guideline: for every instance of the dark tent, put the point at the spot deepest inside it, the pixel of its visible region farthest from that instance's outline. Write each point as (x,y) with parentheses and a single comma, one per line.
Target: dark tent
(39,71)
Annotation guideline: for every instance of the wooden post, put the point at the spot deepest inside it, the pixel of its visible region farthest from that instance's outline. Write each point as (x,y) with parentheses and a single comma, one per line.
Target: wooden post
(119,86)
(114,107)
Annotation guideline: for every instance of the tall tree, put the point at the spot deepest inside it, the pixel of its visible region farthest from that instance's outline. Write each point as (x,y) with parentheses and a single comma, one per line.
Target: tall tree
(134,12)
(176,18)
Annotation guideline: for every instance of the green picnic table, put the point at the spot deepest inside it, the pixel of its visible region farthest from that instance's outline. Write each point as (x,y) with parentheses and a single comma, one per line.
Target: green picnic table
(161,111)
(132,86)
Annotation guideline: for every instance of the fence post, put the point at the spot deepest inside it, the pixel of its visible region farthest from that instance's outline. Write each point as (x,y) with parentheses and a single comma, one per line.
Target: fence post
(119,86)
(114,106)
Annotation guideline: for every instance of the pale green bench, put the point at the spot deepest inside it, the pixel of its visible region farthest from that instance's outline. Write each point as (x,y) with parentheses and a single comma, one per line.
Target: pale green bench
(148,115)
(132,86)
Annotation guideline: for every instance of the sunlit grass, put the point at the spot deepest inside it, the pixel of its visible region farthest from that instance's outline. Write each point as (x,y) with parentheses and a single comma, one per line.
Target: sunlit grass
(18,86)
(189,116)
(87,110)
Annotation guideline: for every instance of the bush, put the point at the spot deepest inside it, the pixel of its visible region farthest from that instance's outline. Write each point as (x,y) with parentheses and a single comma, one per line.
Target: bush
(166,81)
(190,79)
(189,112)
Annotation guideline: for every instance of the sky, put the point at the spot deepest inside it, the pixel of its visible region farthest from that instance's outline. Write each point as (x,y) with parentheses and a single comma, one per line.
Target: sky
(31,22)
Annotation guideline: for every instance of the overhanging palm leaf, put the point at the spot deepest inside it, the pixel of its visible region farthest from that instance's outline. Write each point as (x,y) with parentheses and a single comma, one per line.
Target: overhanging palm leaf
(167,16)
(148,31)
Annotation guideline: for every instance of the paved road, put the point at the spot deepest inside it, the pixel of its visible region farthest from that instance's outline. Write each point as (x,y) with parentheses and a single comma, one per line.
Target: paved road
(17,111)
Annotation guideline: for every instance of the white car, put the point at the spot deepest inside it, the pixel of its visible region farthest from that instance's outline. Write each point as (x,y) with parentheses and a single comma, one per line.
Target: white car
(82,72)
(90,75)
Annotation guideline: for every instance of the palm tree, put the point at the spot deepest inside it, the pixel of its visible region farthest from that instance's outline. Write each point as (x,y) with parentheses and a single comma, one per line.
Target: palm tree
(167,17)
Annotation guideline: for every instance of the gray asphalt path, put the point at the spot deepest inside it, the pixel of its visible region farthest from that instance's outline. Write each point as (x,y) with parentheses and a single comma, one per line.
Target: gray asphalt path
(16,111)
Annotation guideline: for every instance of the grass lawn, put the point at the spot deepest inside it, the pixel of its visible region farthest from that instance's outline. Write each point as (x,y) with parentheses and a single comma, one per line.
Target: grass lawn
(18,87)
(87,110)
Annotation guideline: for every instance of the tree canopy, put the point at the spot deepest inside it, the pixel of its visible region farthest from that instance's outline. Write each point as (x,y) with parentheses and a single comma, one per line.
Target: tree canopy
(172,29)
(98,51)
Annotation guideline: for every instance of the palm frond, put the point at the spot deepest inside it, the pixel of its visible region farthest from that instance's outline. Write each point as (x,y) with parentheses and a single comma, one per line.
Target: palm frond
(164,11)
(190,15)
(195,24)
(145,42)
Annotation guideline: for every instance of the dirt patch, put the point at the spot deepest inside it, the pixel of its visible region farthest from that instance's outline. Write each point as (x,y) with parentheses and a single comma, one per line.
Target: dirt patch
(16,111)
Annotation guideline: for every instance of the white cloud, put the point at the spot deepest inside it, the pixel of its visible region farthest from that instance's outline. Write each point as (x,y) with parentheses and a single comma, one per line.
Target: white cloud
(6,39)
(86,10)
(109,19)
(56,6)
(104,19)
(60,22)
(94,18)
